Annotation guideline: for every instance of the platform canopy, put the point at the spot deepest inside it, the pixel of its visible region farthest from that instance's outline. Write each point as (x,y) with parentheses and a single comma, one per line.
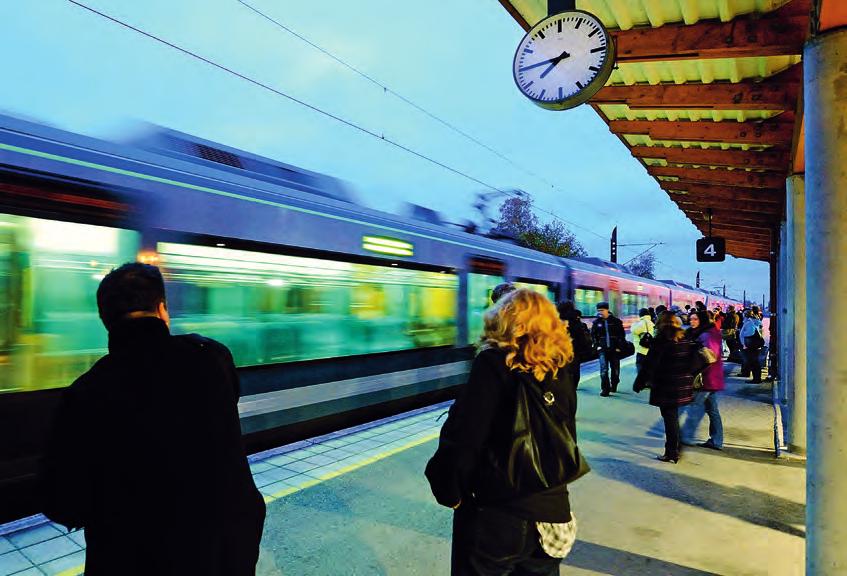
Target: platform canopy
(706,95)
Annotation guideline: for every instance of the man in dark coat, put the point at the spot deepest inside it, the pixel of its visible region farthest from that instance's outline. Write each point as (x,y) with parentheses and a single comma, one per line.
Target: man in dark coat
(578,332)
(607,333)
(146,452)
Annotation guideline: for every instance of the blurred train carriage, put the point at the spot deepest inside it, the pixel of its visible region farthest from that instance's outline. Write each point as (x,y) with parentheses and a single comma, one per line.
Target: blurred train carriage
(335,313)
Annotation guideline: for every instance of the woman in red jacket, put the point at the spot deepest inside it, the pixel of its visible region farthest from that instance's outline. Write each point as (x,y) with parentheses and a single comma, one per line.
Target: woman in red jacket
(706,334)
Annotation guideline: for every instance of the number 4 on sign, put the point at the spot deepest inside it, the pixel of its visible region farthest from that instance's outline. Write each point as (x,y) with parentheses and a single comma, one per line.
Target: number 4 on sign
(711,249)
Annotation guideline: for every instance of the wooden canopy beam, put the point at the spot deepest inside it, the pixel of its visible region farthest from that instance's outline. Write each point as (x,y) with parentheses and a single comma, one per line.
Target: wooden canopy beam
(719,176)
(750,232)
(779,92)
(776,132)
(776,160)
(731,217)
(730,193)
(779,33)
(715,204)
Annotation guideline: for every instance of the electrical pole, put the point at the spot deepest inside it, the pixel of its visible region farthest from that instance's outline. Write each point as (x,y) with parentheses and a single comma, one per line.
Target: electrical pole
(613,246)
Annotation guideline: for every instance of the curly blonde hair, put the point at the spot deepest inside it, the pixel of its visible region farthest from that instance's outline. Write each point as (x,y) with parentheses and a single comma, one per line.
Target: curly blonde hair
(527,327)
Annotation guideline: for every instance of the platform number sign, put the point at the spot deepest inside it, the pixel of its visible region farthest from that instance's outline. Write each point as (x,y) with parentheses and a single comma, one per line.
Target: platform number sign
(711,249)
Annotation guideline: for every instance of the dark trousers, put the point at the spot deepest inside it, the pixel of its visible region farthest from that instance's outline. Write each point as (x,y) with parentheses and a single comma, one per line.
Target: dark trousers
(609,362)
(487,542)
(670,414)
(640,360)
(575,369)
(752,364)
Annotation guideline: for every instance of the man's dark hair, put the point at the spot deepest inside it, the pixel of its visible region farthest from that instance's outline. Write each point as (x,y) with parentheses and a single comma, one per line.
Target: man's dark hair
(501,290)
(133,287)
(566,309)
(699,305)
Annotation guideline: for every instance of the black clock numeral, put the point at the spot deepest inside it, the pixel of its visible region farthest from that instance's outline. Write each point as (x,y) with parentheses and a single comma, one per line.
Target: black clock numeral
(541,96)
(595,31)
(560,26)
(561,93)
(579,85)
(598,49)
(531,82)
(578,22)
(594,68)
(541,35)
(527,51)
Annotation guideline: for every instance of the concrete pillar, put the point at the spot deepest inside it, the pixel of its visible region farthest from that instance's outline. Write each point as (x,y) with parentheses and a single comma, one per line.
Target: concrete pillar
(795,210)
(825,106)
(786,318)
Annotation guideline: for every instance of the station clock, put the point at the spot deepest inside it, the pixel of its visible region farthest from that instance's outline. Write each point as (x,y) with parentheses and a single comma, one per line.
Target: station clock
(564,60)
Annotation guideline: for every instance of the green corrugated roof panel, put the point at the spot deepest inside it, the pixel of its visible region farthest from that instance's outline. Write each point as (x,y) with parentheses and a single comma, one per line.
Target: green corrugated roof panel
(626,14)
(624,112)
(705,70)
(645,140)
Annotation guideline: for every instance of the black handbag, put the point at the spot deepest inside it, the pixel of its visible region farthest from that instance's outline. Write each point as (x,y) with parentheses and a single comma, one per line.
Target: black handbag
(645,340)
(543,453)
(626,349)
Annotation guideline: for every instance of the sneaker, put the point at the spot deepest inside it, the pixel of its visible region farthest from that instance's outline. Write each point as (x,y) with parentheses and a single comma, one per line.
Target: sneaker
(604,393)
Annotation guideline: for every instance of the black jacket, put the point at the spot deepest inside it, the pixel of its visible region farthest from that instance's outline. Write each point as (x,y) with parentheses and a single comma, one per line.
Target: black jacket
(616,332)
(669,370)
(478,430)
(581,341)
(146,456)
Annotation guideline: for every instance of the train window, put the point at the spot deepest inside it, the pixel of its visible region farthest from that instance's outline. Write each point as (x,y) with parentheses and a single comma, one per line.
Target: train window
(479,299)
(270,308)
(586,299)
(542,289)
(50,331)
(632,303)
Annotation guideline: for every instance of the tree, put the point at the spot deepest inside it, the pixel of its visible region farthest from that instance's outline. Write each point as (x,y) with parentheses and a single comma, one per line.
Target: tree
(643,265)
(516,217)
(554,238)
(518,221)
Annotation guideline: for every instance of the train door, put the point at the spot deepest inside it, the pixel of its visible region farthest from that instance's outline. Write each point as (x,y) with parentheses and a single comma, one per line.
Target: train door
(482,276)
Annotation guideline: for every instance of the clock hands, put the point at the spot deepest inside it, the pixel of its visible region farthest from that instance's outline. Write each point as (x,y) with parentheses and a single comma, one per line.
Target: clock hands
(552,63)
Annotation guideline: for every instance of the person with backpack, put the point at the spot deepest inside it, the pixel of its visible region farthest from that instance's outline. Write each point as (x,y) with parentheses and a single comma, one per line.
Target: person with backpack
(642,336)
(580,337)
(508,447)
(669,371)
(146,453)
(751,337)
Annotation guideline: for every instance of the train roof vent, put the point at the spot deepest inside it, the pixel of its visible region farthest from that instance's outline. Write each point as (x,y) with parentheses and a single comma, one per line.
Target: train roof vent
(216,155)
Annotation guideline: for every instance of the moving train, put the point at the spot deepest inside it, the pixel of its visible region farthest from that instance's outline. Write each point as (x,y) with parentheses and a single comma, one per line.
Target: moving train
(335,313)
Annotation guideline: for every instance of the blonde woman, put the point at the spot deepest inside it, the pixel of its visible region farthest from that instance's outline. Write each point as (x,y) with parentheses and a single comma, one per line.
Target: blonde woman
(512,514)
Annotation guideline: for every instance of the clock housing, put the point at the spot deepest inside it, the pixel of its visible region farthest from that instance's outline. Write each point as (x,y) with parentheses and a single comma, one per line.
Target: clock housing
(564,60)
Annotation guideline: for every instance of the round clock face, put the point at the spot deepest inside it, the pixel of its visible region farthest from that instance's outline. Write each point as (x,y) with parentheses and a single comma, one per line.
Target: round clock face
(564,60)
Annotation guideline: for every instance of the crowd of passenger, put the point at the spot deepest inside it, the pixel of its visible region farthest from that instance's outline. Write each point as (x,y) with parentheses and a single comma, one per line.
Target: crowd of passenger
(506,454)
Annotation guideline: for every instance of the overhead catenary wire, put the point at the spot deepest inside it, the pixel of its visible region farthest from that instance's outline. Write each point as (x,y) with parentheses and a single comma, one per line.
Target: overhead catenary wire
(388,90)
(312,107)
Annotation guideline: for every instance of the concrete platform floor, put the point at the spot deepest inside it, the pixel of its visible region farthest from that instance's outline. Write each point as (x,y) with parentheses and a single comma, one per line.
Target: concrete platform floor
(736,512)
(356,502)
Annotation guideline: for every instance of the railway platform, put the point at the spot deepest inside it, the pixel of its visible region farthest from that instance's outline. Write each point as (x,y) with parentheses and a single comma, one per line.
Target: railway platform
(356,502)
